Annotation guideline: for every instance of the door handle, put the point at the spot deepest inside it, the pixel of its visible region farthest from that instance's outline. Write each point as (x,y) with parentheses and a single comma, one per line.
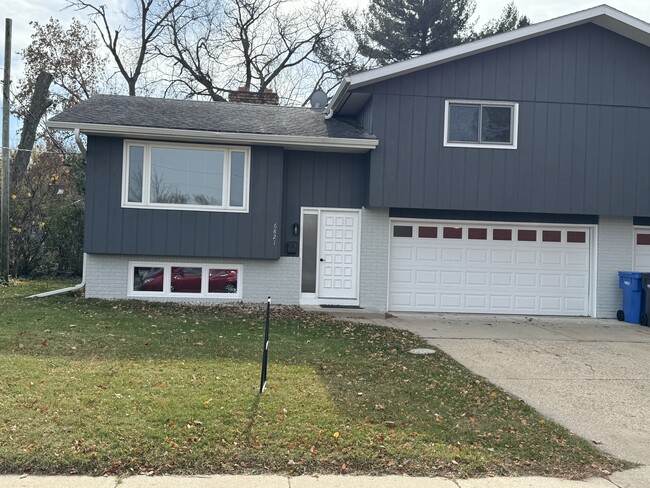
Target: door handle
(322,260)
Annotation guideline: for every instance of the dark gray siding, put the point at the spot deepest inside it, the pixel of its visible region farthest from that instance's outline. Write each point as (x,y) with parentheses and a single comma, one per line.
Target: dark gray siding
(115,230)
(313,179)
(364,117)
(583,147)
(410,213)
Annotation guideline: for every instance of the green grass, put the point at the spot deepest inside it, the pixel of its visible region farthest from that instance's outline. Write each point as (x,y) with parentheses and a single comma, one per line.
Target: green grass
(96,387)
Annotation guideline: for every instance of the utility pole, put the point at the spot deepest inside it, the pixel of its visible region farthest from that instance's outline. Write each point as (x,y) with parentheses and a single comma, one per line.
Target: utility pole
(4,194)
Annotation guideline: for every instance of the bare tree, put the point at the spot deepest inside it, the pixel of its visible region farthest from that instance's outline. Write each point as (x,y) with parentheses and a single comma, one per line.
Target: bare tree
(132,51)
(216,47)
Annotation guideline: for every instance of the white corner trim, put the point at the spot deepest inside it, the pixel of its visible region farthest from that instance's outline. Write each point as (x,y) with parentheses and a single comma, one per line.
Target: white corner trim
(602,15)
(217,137)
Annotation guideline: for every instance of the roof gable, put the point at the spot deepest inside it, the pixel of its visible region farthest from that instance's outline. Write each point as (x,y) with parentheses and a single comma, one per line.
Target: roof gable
(603,16)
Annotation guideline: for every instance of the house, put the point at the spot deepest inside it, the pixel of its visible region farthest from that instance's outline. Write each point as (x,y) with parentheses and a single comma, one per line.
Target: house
(507,175)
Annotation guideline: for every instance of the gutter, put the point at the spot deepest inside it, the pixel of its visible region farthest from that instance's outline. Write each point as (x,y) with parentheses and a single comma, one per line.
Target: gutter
(332,143)
(65,290)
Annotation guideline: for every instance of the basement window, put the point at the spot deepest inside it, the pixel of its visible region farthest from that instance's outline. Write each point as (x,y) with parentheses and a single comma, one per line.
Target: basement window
(184,280)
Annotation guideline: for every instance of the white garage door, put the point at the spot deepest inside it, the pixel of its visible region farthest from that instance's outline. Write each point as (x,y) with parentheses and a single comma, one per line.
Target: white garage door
(489,268)
(642,249)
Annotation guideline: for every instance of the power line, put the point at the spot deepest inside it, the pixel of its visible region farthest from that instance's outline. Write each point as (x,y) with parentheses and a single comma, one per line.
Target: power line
(60,153)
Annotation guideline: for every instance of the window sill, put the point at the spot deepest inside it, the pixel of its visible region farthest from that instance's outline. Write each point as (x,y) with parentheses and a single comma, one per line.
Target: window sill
(480,146)
(191,208)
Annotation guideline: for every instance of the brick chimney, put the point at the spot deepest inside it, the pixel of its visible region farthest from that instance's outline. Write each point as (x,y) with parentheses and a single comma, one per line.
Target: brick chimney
(244,95)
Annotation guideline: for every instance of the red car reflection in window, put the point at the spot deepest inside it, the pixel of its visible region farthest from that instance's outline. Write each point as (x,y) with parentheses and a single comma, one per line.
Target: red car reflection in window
(188,280)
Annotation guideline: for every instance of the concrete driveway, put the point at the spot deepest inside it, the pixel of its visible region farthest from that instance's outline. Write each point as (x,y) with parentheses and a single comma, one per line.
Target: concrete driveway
(592,376)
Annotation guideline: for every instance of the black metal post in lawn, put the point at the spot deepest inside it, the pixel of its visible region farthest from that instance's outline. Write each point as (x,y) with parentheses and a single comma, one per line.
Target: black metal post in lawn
(265,353)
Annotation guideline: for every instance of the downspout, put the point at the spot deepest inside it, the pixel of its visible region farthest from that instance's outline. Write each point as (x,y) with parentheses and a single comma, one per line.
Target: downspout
(80,144)
(65,290)
(82,148)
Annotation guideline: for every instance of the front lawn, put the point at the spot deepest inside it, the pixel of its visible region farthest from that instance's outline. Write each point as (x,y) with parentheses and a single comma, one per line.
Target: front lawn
(96,387)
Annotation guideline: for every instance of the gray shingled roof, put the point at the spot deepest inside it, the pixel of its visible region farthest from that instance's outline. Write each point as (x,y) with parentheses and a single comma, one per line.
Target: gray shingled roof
(240,118)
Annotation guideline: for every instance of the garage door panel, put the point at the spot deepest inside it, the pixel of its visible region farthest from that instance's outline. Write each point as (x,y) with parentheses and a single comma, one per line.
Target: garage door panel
(501,303)
(451,301)
(403,301)
(426,254)
(402,276)
(551,258)
(501,257)
(501,279)
(541,274)
(426,277)
(526,257)
(401,253)
(449,255)
(473,278)
(574,304)
(477,302)
(451,278)
(526,303)
(526,280)
(552,281)
(578,259)
(578,282)
(426,300)
(550,304)
(477,256)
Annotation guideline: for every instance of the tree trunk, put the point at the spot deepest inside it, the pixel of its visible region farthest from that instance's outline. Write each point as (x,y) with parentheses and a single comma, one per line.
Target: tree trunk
(37,107)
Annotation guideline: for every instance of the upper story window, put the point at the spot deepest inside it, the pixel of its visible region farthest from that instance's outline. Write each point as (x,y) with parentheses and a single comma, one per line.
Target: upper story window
(470,123)
(185,176)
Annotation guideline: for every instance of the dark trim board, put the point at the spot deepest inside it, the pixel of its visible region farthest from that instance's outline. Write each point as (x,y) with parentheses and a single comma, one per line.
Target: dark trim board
(413,213)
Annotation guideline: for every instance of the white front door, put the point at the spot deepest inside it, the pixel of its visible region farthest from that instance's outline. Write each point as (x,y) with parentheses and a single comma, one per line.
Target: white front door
(338,254)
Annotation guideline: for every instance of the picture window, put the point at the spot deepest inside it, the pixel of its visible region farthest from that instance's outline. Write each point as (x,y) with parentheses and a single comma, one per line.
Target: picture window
(186,176)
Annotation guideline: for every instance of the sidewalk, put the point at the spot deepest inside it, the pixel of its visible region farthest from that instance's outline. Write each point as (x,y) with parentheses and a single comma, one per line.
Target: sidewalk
(636,478)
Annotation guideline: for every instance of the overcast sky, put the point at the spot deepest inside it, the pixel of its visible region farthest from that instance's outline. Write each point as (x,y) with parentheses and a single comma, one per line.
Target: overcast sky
(24,11)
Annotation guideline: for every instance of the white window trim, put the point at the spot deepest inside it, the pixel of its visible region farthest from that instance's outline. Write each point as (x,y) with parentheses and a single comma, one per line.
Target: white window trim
(167,270)
(146,177)
(483,145)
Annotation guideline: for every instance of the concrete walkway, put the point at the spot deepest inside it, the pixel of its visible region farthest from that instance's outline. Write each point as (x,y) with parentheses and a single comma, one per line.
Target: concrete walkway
(617,481)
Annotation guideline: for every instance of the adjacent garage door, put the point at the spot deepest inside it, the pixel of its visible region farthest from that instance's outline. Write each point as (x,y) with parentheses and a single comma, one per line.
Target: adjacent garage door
(642,249)
(480,268)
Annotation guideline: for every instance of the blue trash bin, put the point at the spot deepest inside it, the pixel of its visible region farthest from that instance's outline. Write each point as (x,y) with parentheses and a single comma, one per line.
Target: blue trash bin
(633,297)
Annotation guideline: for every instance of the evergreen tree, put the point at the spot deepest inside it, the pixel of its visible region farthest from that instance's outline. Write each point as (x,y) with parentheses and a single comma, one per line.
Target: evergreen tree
(510,20)
(395,30)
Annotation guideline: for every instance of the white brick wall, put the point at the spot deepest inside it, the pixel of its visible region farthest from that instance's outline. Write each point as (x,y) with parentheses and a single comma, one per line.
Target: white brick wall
(107,277)
(375,229)
(615,253)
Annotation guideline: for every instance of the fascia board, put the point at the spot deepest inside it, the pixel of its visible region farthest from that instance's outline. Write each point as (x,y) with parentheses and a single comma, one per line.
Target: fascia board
(332,143)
